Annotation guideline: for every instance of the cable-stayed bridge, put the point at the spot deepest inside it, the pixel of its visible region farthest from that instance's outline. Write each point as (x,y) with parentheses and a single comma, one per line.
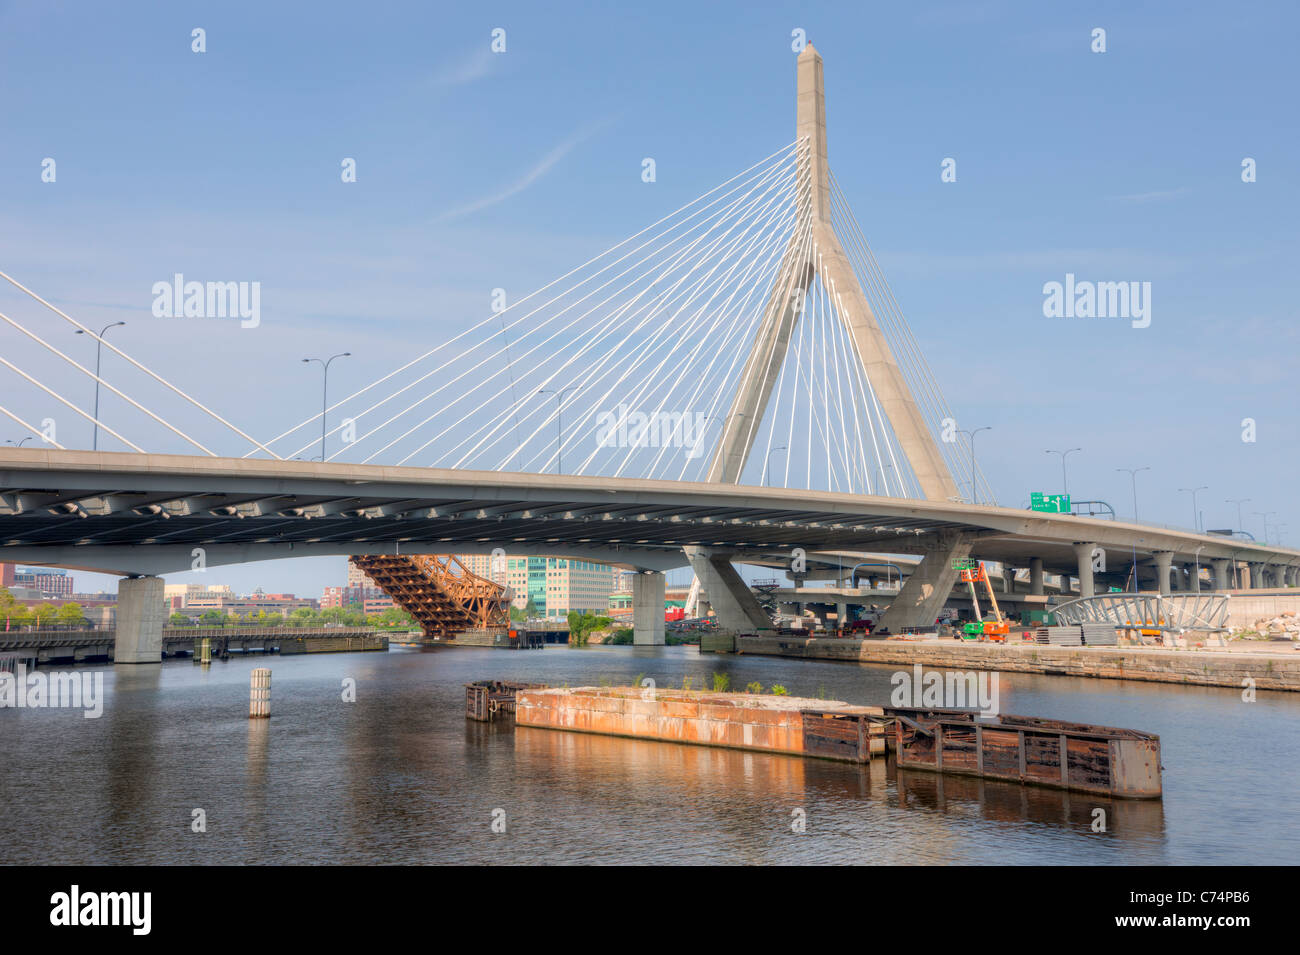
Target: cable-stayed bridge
(736,380)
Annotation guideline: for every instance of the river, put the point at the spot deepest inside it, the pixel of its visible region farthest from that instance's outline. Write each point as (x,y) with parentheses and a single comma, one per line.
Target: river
(400,776)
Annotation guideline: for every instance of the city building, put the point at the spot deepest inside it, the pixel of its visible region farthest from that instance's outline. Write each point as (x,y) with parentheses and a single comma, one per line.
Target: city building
(47,582)
(555,585)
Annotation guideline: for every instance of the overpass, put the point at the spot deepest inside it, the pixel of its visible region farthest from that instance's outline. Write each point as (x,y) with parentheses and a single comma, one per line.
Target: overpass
(145,515)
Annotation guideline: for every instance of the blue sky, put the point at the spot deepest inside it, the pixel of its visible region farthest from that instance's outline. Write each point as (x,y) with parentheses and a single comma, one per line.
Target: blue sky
(479,170)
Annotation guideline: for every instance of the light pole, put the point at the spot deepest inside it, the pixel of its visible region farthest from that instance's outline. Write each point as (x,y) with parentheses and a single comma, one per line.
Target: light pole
(559,423)
(1133,473)
(769,461)
(1266,516)
(1065,481)
(324,392)
(1238,501)
(1196,521)
(99,350)
(971,436)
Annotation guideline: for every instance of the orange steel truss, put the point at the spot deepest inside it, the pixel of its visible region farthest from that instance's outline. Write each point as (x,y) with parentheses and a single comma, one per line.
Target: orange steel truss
(438,591)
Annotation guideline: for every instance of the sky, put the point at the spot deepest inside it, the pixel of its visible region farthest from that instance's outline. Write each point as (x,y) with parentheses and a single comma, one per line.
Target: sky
(478,170)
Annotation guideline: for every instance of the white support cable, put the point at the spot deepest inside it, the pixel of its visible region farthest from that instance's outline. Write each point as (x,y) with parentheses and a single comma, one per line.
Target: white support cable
(925,386)
(121,354)
(770,242)
(521,318)
(53,394)
(86,371)
(832,319)
(843,356)
(741,335)
(798,266)
(645,349)
(856,374)
(35,431)
(665,297)
(703,377)
(794,394)
(556,333)
(636,357)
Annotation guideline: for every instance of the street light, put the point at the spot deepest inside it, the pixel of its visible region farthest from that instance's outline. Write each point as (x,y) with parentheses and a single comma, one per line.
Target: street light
(99,350)
(971,436)
(1196,521)
(1133,473)
(1065,481)
(1241,525)
(1266,516)
(324,391)
(559,423)
(769,461)
(18,444)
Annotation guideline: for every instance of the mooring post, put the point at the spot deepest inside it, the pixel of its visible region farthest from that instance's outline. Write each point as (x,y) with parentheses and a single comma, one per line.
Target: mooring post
(259,694)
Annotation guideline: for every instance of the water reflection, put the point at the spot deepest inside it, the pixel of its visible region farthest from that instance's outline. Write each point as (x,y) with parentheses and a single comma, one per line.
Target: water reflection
(1141,820)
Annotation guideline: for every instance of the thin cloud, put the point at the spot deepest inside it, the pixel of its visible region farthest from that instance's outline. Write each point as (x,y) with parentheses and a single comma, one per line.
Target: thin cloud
(469,69)
(1148,196)
(545,165)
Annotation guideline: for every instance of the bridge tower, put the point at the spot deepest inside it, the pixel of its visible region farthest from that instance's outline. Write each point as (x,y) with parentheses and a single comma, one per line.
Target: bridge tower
(804,262)
(823,258)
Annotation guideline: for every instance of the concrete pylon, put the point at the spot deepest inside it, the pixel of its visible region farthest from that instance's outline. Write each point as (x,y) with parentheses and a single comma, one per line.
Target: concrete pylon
(648,609)
(928,587)
(734,604)
(1221,580)
(1036,576)
(827,261)
(1164,560)
(139,620)
(1083,551)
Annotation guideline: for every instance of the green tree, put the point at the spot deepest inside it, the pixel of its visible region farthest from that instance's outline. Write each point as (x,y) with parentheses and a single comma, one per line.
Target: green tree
(44,614)
(71,614)
(9,606)
(178,619)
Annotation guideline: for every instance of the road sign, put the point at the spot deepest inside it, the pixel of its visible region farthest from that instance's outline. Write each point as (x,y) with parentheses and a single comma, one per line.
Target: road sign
(1049,503)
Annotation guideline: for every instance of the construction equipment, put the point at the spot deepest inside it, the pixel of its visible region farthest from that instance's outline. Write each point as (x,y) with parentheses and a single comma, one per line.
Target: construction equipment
(995,630)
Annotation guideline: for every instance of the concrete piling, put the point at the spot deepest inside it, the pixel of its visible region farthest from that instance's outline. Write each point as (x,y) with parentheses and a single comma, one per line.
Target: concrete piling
(259,694)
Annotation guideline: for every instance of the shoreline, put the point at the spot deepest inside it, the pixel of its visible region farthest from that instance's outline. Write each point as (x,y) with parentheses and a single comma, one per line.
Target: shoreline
(1278,670)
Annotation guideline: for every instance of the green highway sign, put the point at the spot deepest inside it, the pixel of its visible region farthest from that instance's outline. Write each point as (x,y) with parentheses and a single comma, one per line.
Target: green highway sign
(1049,503)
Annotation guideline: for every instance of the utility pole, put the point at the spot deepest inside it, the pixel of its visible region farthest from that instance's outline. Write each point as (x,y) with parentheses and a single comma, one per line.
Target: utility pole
(99,351)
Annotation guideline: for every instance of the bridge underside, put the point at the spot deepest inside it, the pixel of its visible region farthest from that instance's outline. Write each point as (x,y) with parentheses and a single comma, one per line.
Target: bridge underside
(148,515)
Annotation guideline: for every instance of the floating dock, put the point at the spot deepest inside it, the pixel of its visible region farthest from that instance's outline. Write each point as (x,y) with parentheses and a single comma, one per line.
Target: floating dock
(794,726)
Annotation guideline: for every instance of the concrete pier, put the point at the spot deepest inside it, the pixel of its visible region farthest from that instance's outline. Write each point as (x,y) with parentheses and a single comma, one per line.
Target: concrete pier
(140,617)
(648,610)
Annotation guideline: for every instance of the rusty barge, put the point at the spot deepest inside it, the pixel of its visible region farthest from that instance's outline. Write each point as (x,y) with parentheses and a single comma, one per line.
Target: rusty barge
(1100,760)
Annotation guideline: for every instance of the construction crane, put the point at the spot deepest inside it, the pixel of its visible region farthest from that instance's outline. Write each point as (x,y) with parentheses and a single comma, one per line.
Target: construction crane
(995,630)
